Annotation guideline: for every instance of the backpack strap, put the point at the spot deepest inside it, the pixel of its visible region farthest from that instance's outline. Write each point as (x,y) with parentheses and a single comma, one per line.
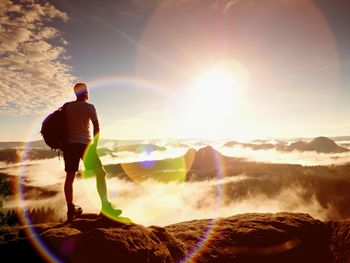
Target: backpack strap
(63,109)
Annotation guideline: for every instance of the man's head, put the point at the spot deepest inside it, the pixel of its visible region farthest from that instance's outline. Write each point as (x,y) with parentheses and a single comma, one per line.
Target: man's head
(81,91)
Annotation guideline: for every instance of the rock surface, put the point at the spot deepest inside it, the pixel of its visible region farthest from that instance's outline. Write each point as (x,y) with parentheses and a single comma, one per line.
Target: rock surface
(280,237)
(340,240)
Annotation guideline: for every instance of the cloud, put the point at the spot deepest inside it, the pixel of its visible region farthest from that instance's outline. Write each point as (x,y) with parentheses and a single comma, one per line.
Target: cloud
(33,59)
(48,32)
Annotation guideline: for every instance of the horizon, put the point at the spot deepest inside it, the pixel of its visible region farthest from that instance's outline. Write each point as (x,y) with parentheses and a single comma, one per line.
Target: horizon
(145,140)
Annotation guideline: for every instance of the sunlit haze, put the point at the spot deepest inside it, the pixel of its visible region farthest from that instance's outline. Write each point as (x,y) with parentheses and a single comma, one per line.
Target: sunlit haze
(179,69)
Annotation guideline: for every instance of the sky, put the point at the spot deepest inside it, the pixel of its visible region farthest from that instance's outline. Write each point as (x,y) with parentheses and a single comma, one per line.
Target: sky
(241,69)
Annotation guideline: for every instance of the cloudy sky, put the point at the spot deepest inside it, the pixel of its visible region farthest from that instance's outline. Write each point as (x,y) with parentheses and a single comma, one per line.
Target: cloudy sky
(179,69)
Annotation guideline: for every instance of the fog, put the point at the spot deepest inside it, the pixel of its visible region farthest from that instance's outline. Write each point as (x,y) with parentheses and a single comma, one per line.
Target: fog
(128,156)
(155,203)
(307,158)
(38,172)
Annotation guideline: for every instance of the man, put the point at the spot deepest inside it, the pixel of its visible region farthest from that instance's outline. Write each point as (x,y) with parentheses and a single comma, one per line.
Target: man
(78,115)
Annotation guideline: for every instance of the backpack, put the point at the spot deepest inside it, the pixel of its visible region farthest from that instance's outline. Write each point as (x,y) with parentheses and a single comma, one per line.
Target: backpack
(54,129)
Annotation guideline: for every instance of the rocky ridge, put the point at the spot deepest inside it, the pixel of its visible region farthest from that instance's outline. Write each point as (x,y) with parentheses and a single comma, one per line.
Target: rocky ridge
(280,237)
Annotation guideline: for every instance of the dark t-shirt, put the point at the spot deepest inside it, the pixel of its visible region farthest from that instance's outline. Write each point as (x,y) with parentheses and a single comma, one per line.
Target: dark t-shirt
(78,116)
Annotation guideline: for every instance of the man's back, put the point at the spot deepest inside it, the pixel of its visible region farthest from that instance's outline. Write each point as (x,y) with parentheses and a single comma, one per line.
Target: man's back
(78,116)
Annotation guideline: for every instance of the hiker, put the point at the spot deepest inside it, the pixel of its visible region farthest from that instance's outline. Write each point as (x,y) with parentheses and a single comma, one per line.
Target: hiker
(78,115)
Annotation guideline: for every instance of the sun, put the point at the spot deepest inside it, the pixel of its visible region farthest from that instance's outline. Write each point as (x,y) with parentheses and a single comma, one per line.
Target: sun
(215,92)
(216,98)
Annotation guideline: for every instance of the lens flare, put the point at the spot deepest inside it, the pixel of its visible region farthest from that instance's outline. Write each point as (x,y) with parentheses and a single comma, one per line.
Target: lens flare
(166,171)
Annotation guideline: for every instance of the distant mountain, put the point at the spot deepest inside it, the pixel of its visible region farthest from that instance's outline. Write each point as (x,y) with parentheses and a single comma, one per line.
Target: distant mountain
(9,155)
(232,144)
(11,145)
(297,146)
(340,138)
(119,145)
(206,158)
(40,144)
(139,148)
(319,144)
(15,155)
(254,146)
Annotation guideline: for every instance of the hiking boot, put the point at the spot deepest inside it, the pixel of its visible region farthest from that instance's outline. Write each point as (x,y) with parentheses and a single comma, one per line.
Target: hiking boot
(74,211)
(110,210)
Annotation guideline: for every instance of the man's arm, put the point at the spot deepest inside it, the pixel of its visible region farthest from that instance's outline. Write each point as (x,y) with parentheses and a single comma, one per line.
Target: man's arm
(96,131)
(95,123)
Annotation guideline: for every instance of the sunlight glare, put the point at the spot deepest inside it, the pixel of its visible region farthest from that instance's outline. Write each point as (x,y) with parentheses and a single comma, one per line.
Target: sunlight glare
(215,92)
(216,98)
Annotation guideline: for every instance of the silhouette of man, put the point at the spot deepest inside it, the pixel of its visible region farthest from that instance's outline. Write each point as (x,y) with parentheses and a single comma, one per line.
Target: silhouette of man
(79,145)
